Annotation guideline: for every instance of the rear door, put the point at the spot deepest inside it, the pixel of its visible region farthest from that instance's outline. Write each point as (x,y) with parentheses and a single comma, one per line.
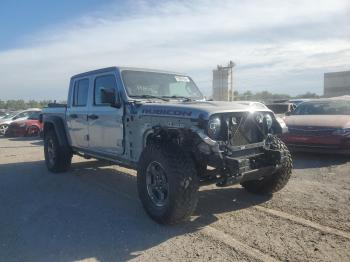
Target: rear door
(77,113)
(105,122)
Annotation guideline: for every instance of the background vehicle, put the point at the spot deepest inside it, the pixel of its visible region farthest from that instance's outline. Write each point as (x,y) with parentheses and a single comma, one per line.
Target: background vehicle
(320,125)
(28,127)
(5,122)
(280,109)
(298,101)
(3,114)
(158,123)
(6,114)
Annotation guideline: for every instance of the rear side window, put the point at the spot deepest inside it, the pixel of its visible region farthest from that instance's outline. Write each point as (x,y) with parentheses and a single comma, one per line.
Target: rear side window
(34,115)
(104,85)
(21,115)
(81,89)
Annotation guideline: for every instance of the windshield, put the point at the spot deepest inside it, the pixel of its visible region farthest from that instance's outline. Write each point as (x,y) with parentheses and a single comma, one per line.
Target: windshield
(162,85)
(279,109)
(333,107)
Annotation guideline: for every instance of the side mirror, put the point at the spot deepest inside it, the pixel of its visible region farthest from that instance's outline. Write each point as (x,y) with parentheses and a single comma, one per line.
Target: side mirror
(116,104)
(108,96)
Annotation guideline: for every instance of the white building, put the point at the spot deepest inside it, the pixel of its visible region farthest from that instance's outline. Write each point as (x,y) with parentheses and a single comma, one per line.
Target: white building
(337,84)
(222,82)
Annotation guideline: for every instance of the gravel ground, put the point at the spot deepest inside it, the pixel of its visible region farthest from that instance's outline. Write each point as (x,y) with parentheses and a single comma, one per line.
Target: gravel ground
(92,213)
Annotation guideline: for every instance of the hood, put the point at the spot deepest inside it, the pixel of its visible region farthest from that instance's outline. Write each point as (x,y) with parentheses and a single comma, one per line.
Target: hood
(6,121)
(198,109)
(334,121)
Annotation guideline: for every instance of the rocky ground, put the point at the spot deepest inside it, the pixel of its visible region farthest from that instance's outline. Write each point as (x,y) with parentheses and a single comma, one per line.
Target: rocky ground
(92,213)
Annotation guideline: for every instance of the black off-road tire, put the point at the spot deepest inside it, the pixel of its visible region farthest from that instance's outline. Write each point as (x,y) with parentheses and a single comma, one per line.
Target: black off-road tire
(63,156)
(182,180)
(279,179)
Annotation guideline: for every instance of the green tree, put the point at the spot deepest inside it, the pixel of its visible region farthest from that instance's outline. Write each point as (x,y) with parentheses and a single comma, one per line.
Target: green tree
(308,95)
(2,104)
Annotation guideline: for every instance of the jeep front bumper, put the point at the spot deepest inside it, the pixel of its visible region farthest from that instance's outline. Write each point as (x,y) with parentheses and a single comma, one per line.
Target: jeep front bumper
(234,170)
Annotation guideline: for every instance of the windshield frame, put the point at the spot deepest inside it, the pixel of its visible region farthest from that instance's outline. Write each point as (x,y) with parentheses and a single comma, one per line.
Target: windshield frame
(133,97)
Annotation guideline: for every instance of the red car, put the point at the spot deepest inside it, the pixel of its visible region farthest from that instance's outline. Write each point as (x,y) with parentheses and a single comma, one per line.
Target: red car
(28,127)
(320,126)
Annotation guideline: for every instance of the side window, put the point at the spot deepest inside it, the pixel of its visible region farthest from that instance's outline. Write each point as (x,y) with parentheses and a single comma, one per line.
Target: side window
(24,114)
(105,91)
(34,115)
(81,89)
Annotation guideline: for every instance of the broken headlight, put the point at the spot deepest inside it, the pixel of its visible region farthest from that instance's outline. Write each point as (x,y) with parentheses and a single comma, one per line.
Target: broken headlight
(269,121)
(214,127)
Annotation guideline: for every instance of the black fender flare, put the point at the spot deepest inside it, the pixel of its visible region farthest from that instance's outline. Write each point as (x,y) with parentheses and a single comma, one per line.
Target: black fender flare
(59,128)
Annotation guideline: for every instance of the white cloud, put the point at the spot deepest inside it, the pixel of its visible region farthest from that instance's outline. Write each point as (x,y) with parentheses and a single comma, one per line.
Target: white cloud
(277,45)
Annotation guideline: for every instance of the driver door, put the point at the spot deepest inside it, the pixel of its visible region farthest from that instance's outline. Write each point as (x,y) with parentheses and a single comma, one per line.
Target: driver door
(106,122)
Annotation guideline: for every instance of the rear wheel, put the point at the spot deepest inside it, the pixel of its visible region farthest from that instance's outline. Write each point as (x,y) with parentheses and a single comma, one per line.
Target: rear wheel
(167,184)
(57,158)
(276,181)
(33,131)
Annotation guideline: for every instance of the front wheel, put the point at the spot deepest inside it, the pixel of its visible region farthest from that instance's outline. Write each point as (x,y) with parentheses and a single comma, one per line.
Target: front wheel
(57,158)
(167,184)
(3,129)
(276,181)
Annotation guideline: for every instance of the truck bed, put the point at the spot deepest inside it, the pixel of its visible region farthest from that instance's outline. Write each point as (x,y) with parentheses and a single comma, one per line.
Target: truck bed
(59,110)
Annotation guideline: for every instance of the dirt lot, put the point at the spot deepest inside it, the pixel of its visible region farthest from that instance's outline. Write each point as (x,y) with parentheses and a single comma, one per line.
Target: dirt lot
(93,213)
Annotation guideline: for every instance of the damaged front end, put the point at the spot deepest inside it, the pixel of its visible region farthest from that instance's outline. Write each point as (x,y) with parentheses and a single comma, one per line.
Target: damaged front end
(237,147)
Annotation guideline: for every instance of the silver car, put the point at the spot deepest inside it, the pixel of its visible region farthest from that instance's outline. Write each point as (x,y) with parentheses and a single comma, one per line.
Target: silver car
(22,115)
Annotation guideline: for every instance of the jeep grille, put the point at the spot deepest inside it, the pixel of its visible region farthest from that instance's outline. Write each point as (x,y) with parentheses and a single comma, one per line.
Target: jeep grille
(245,130)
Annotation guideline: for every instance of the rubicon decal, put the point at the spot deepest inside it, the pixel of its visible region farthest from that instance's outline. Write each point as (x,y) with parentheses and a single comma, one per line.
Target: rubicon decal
(166,111)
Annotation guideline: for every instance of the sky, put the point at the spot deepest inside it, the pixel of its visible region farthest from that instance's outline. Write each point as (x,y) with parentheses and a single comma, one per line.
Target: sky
(278,46)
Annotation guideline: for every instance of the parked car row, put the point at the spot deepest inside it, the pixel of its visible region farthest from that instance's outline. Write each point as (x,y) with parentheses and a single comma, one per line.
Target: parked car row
(23,123)
(318,125)
(4,114)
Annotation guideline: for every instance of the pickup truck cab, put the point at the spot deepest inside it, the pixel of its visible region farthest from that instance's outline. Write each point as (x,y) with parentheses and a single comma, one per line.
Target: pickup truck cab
(160,124)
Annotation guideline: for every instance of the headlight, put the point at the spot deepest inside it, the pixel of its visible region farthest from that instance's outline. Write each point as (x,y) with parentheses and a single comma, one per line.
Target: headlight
(259,118)
(269,121)
(214,127)
(234,121)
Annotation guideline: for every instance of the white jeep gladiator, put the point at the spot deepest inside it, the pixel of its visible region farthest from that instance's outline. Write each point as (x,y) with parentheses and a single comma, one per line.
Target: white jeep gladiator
(159,123)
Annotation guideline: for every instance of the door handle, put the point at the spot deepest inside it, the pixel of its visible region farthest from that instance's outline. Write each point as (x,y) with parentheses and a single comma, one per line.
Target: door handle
(73,116)
(93,117)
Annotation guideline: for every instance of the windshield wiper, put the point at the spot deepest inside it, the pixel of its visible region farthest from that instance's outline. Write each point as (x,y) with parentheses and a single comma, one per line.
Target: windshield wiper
(150,96)
(184,98)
